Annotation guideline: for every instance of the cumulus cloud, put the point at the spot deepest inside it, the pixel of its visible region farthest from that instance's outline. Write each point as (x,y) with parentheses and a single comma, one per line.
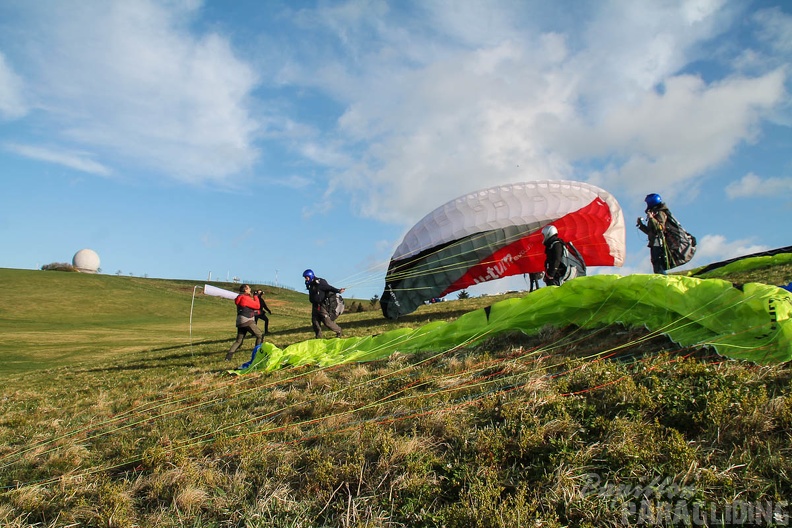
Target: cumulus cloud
(752,185)
(672,138)
(446,107)
(425,101)
(128,78)
(714,248)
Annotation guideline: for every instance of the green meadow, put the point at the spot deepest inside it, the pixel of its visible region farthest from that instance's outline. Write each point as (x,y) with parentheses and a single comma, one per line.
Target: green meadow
(118,410)
(52,319)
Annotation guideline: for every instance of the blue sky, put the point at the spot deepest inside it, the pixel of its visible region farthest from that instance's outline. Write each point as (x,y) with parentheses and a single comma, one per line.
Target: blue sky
(256,139)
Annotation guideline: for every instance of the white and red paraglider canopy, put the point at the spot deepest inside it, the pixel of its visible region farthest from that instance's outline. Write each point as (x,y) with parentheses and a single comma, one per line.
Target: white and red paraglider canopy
(495,233)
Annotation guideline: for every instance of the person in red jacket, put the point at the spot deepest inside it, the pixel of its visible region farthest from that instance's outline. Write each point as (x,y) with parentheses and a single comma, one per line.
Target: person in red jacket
(247,307)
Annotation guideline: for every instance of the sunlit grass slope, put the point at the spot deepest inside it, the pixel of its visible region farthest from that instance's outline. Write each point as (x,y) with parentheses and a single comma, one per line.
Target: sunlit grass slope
(50,319)
(55,318)
(112,416)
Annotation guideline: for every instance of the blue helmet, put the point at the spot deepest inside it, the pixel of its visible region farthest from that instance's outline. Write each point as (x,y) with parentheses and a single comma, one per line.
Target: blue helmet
(653,200)
(309,274)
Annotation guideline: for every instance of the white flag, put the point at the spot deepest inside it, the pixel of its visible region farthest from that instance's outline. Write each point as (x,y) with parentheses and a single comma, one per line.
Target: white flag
(219,292)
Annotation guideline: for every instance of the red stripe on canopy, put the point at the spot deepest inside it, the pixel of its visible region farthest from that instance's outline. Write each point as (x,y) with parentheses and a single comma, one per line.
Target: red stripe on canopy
(584,228)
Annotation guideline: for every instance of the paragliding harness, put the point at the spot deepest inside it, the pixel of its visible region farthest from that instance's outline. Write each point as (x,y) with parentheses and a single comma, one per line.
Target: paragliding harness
(572,263)
(334,304)
(573,260)
(680,246)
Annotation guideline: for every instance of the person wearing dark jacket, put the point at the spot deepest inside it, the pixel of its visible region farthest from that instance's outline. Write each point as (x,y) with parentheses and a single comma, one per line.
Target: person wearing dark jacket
(656,217)
(247,306)
(534,280)
(555,269)
(261,313)
(318,290)
(560,265)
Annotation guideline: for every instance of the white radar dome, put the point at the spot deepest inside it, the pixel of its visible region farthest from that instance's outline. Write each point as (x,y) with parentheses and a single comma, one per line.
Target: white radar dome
(86,260)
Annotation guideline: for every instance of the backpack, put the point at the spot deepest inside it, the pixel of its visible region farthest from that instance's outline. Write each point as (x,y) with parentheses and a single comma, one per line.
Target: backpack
(334,304)
(572,263)
(576,266)
(680,245)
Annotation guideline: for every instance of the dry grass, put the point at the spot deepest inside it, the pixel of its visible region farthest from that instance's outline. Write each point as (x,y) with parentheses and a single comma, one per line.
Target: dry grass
(508,433)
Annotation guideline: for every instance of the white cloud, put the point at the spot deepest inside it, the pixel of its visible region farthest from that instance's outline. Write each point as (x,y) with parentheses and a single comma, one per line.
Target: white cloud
(80,161)
(752,185)
(672,138)
(127,78)
(444,101)
(715,248)
(12,102)
(630,48)
(776,28)
(432,101)
(293,181)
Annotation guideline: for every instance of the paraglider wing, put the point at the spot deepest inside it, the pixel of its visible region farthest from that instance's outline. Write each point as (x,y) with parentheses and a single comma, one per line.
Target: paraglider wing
(495,233)
(750,323)
(745,262)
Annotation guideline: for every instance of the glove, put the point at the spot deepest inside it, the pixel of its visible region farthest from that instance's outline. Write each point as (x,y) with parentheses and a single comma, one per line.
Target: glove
(639,222)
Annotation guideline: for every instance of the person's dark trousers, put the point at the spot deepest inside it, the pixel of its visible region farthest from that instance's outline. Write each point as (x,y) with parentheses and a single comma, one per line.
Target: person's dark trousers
(658,256)
(241,333)
(319,317)
(266,322)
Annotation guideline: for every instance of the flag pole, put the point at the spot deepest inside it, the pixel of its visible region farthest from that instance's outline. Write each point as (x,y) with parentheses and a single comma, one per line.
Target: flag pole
(191,312)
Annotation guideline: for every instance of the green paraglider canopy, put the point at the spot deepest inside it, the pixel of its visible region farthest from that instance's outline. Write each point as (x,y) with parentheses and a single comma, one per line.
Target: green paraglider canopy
(764,259)
(751,322)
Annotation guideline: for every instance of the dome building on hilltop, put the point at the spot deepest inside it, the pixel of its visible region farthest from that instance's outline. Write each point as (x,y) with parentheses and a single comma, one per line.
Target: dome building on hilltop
(86,261)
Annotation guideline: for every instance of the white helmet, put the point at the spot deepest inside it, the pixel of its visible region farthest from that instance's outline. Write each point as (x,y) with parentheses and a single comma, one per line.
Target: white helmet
(549,231)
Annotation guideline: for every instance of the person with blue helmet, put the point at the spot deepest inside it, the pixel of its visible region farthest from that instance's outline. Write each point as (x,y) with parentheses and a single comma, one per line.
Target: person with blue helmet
(318,290)
(657,214)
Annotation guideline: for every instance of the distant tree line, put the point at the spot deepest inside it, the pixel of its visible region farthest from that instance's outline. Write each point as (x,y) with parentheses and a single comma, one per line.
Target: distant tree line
(58,266)
(63,266)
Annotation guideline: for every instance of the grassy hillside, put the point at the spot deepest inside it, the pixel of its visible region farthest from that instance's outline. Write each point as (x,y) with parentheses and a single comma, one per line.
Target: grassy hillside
(51,319)
(60,318)
(114,416)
